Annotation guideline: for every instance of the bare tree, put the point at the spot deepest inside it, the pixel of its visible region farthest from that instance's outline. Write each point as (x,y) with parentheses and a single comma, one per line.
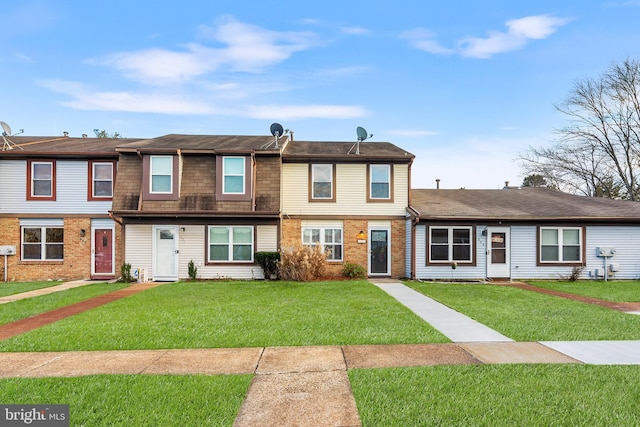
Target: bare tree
(598,152)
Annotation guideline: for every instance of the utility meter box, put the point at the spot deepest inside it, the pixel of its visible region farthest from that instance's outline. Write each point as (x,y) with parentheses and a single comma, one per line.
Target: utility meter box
(7,250)
(605,252)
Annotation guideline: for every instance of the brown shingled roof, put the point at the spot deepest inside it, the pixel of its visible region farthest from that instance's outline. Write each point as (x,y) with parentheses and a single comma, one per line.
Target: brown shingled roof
(63,146)
(345,151)
(205,143)
(518,204)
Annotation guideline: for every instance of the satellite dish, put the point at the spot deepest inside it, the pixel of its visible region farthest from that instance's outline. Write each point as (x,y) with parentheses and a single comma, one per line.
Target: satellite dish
(6,131)
(362,135)
(6,128)
(277,130)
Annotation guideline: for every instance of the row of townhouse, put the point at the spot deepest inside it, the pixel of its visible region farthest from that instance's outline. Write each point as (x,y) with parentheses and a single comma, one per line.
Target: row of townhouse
(82,207)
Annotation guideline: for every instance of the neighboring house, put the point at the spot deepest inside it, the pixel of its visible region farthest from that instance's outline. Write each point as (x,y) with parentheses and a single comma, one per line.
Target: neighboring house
(353,205)
(210,200)
(521,233)
(55,198)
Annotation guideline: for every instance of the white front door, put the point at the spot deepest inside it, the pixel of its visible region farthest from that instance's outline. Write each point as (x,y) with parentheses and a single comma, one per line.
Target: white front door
(498,253)
(379,252)
(165,252)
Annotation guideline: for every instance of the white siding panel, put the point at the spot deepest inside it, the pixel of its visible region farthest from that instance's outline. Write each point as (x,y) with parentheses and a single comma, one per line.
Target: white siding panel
(72,180)
(626,241)
(445,272)
(191,247)
(351,192)
(266,238)
(139,247)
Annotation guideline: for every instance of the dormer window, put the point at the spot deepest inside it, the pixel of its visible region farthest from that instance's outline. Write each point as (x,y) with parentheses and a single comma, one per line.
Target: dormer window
(233,175)
(161,168)
(160,177)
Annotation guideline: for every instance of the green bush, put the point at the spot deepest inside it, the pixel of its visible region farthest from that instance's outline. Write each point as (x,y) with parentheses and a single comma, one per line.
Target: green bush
(269,263)
(125,272)
(193,270)
(354,271)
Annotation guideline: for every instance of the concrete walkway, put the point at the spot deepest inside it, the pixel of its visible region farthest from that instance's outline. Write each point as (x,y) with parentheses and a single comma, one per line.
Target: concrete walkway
(309,385)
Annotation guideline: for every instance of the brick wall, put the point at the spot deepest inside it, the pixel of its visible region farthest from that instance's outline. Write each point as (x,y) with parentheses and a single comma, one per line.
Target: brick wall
(353,252)
(77,253)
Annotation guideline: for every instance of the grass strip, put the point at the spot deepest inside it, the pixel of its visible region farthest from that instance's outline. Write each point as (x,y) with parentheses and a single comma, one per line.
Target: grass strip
(498,395)
(12,288)
(236,314)
(135,400)
(22,309)
(613,290)
(529,316)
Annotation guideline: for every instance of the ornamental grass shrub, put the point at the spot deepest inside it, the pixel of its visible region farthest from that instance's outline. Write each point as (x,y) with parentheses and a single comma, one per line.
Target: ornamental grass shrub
(302,263)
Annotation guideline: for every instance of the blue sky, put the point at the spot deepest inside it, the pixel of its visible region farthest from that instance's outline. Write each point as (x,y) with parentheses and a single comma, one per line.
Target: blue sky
(464,85)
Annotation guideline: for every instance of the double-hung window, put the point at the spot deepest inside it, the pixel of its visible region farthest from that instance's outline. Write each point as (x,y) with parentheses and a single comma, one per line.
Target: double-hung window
(450,244)
(329,240)
(42,243)
(41,182)
(233,175)
(379,183)
(230,244)
(560,244)
(322,182)
(101,176)
(161,168)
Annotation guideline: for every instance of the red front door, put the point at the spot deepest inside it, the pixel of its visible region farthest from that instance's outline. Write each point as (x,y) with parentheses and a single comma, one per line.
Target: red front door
(103,251)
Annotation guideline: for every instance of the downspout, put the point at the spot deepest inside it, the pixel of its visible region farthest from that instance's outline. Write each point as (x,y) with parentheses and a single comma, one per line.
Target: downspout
(140,195)
(254,169)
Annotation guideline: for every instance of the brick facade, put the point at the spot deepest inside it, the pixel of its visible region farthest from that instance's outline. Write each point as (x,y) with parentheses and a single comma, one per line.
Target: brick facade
(77,253)
(353,252)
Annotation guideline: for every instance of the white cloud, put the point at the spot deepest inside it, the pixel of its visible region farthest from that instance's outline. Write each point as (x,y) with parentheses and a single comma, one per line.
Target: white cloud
(519,33)
(291,112)
(423,39)
(245,47)
(355,31)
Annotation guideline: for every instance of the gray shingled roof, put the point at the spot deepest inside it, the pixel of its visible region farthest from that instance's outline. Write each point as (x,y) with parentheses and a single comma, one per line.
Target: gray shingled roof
(345,151)
(518,204)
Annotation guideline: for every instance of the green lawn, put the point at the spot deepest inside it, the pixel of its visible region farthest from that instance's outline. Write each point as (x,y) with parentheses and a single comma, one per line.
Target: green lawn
(11,288)
(21,309)
(236,314)
(135,400)
(612,290)
(529,316)
(498,395)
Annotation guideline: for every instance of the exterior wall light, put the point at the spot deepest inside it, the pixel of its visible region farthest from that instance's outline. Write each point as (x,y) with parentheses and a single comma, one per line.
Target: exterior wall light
(83,232)
(362,237)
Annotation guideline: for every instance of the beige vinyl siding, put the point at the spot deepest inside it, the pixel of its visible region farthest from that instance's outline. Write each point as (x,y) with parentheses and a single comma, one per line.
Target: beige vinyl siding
(351,192)
(139,248)
(266,238)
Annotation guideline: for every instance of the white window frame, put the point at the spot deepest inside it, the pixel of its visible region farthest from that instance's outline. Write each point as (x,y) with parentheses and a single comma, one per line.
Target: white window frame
(50,180)
(230,244)
(560,245)
(170,174)
(450,244)
(43,242)
(226,174)
(94,179)
(307,240)
(313,181)
(388,182)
